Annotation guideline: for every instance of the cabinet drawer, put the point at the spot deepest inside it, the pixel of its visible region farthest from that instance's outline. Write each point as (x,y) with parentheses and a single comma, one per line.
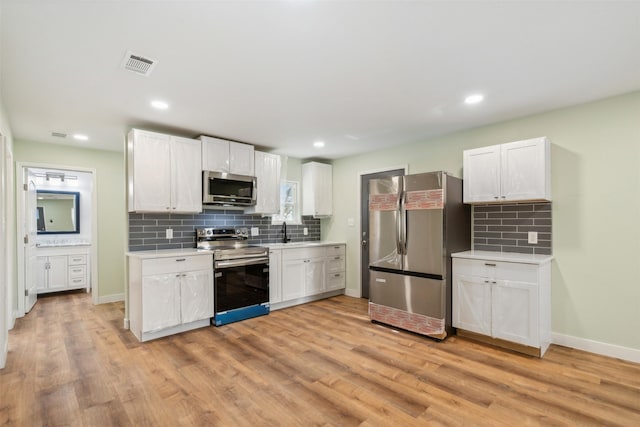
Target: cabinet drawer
(335,281)
(176,264)
(302,253)
(335,264)
(77,281)
(500,270)
(77,259)
(334,250)
(77,271)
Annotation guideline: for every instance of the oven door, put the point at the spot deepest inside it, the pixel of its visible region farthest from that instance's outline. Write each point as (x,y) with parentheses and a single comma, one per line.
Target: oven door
(240,284)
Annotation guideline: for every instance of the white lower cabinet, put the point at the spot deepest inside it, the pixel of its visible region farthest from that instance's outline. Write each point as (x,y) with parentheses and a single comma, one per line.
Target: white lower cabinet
(508,301)
(302,274)
(168,295)
(57,273)
(275,275)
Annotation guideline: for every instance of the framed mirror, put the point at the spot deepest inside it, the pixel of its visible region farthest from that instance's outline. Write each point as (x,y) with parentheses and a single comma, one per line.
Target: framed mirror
(58,212)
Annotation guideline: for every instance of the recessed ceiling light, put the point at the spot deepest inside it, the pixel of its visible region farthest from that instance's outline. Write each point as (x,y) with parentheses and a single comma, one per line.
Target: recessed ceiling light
(160,105)
(318,144)
(474,99)
(80,137)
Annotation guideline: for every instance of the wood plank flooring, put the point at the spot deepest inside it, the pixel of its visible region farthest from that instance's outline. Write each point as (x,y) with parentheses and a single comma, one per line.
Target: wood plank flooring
(319,364)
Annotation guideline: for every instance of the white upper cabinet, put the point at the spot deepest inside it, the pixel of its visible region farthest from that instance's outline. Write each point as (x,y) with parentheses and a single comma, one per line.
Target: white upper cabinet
(241,159)
(186,188)
(163,173)
(267,169)
(513,172)
(220,155)
(317,189)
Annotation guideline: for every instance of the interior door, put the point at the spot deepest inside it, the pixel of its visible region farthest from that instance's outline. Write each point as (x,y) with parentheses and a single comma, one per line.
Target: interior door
(364,223)
(31,231)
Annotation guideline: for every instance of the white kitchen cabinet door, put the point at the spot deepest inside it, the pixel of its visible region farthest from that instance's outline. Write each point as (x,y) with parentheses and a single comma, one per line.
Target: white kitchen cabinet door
(186,188)
(275,276)
(317,189)
(58,272)
(514,172)
(215,154)
(267,170)
(196,295)
(524,166)
(160,301)
(293,279)
(515,312)
(315,276)
(241,159)
(481,168)
(471,302)
(149,157)
(42,273)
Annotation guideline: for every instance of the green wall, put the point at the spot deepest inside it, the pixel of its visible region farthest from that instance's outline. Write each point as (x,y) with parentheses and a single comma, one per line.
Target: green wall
(110,175)
(595,171)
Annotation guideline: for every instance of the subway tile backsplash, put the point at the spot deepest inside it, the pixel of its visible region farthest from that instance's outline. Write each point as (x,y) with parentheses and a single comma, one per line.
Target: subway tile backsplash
(504,228)
(147,231)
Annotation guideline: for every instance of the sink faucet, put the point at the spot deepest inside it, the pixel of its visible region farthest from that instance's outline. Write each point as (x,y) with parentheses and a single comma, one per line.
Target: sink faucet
(285,239)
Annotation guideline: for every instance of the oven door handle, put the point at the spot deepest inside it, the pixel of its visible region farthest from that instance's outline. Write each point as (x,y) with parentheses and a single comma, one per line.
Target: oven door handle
(241,262)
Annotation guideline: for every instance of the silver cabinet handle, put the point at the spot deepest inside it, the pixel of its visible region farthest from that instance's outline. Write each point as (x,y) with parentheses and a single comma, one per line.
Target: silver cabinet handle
(488,264)
(181,259)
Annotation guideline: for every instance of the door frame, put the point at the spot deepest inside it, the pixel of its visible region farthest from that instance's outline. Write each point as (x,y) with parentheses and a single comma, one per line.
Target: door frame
(20,215)
(405,167)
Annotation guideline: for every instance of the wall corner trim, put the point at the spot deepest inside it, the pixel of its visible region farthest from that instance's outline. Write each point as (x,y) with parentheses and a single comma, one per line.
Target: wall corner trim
(603,349)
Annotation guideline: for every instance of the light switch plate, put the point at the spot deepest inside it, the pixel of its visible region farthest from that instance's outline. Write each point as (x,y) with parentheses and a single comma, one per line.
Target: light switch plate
(351,222)
(169,233)
(305,231)
(533,237)
(255,231)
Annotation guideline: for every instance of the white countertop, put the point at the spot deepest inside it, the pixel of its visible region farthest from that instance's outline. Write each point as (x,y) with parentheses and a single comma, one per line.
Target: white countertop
(504,256)
(292,245)
(60,245)
(168,253)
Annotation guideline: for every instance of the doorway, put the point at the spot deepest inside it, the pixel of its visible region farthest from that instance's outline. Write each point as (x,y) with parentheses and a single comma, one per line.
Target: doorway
(62,253)
(364,222)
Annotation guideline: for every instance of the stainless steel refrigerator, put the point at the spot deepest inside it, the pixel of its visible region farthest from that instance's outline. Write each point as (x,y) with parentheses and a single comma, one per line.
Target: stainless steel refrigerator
(415,223)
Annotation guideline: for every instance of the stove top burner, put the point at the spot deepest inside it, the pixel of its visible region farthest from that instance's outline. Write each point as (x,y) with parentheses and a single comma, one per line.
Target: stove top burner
(228,243)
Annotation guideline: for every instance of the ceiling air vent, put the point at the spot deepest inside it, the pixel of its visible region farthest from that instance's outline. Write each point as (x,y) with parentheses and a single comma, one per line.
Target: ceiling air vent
(138,63)
(59,134)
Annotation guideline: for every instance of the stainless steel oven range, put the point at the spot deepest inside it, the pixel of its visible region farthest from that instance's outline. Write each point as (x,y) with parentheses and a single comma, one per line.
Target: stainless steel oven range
(241,274)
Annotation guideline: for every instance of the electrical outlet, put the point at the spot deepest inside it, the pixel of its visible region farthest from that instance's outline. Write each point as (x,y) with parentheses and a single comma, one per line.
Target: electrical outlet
(305,231)
(255,231)
(169,233)
(533,237)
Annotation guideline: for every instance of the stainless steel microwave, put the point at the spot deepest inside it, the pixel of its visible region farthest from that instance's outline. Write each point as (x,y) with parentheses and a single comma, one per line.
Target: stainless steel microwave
(226,189)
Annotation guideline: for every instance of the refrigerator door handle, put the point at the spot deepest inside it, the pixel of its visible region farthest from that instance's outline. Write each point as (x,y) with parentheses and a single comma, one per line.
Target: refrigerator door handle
(399,223)
(403,220)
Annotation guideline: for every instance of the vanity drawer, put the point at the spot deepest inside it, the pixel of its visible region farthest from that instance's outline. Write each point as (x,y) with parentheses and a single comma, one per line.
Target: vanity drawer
(77,281)
(77,259)
(77,271)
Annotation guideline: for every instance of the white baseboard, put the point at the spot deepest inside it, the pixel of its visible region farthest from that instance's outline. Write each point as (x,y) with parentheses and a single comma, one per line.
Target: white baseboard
(110,298)
(352,292)
(604,349)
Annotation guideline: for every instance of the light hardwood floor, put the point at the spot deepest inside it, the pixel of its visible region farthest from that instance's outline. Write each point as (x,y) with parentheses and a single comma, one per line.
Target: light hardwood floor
(324,363)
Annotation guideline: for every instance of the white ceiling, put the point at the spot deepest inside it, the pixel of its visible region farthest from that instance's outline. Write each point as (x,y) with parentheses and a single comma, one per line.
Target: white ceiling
(359,75)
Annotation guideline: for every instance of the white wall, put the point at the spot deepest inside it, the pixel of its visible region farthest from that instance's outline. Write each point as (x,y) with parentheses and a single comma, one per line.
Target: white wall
(7,239)
(596,209)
